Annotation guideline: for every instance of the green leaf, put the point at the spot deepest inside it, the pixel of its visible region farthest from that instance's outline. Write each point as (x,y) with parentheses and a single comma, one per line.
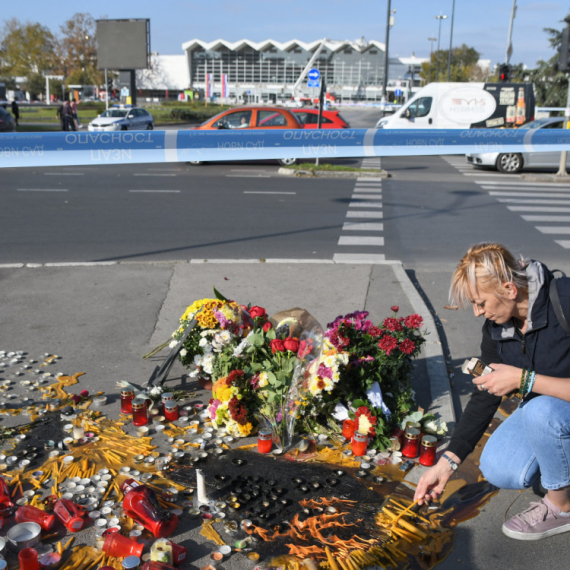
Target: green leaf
(358,403)
(219,296)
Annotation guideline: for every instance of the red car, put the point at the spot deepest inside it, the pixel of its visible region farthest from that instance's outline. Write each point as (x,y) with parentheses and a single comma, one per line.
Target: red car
(310,119)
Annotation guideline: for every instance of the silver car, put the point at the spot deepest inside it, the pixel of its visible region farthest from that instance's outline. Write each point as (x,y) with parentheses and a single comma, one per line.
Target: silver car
(513,162)
(123,118)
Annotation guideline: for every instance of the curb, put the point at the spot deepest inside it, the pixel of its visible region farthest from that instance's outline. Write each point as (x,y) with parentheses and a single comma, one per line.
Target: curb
(546,178)
(332,173)
(441,400)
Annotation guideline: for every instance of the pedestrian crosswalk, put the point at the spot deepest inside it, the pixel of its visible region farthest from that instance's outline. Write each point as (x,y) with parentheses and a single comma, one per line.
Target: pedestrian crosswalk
(371,163)
(459,162)
(538,203)
(362,229)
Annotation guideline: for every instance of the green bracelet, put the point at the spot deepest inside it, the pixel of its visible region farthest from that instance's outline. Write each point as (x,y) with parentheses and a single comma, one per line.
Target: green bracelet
(524,377)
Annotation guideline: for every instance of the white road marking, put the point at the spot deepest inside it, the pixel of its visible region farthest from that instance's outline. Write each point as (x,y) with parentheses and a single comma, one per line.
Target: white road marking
(375,215)
(366,205)
(155,191)
(546,218)
(41,190)
(358,257)
(528,194)
(491,174)
(248,176)
(64,173)
(537,209)
(148,174)
(363,226)
(519,201)
(517,189)
(550,184)
(254,192)
(360,240)
(554,229)
(367,190)
(248,170)
(369,179)
(563,242)
(367,196)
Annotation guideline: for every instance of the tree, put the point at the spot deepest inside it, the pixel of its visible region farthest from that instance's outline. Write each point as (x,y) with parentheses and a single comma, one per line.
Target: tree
(463,65)
(78,50)
(26,49)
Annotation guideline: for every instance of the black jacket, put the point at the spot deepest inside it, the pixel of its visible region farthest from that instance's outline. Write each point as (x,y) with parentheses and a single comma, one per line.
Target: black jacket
(544,348)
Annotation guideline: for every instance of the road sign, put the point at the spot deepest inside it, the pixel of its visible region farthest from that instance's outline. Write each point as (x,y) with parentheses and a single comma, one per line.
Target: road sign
(313,83)
(125,92)
(314,75)
(398,92)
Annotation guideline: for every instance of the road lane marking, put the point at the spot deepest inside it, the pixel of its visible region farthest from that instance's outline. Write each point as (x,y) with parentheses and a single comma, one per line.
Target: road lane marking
(41,190)
(363,227)
(563,242)
(367,190)
(64,174)
(260,192)
(367,196)
(516,189)
(537,209)
(369,179)
(527,194)
(152,174)
(550,184)
(358,257)
(361,240)
(491,174)
(356,214)
(366,204)
(554,229)
(248,170)
(155,191)
(248,175)
(546,218)
(519,201)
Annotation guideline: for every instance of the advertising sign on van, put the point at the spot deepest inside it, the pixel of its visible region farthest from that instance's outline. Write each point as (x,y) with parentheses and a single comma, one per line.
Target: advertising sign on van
(466,104)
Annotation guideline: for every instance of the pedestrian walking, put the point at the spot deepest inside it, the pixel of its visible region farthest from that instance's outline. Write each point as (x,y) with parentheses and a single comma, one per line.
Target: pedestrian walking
(73,105)
(15,111)
(68,117)
(526,342)
(59,115)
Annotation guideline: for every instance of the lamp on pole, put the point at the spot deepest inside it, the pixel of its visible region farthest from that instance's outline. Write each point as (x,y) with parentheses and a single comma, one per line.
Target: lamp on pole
(450,41)
(430,40)
(440,18)
(385,80)
(85,59)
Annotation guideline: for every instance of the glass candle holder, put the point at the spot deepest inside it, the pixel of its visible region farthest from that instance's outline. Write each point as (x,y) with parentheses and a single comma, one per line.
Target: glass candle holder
(264,440)
(28,559)
(359,444)
(127,396)
(140,411)
(348,429)
(427,450)
(411,447)
(171,412)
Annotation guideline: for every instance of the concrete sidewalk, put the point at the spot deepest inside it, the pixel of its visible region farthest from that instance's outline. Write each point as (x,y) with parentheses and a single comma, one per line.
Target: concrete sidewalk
(101,319)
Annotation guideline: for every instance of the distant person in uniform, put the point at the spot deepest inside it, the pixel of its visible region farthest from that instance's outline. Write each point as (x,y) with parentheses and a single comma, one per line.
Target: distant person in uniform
(15,111)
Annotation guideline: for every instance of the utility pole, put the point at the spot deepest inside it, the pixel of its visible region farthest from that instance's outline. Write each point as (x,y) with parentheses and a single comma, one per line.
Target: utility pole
(509,51)
(564,65)
(430,40)
(385,81)
(450,42)
(440,18)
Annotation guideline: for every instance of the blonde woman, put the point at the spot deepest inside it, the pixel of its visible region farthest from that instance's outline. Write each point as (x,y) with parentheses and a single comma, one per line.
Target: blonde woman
(529,351)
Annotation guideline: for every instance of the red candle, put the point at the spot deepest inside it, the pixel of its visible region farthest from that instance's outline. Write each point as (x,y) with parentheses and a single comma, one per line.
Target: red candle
(427,450)
(70,514)
(348,429)
(264,440)
(359,443)
(28,513)
(140,411)
(121,546)
(411,446)
(171,410)
(127,396)
(28,558)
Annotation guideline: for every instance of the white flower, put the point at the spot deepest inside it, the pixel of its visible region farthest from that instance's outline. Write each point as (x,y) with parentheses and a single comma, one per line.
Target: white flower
(203,342)
(156,391)
(208,363)
(183,352)
(263,381)
(225,336)
(198,359)
(173,343)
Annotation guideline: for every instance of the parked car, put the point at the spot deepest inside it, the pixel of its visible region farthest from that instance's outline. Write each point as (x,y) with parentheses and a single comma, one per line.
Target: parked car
(253,118)
(7,122)
(513,162)
(310,119)
(123,118)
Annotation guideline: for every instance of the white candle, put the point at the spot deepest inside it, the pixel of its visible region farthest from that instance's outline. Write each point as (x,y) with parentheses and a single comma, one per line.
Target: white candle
(201,488)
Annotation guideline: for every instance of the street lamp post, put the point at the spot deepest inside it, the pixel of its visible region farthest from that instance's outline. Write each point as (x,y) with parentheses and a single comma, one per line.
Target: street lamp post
(450,41)
(385,80)
(430,40)
(440,18)
(84,61)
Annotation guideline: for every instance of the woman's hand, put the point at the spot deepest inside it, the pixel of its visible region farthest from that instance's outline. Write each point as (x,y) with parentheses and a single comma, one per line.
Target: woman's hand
(433,482)
(503,380)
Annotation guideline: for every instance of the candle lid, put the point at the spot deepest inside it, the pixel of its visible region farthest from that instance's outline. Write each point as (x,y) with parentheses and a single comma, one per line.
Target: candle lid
(167,396)
(429,440)
(170,405)
(412,433)
(127,393)
(138,404)
(361,436)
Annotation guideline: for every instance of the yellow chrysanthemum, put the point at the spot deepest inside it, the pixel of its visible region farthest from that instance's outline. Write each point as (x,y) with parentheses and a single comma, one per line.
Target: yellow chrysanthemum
(245,430)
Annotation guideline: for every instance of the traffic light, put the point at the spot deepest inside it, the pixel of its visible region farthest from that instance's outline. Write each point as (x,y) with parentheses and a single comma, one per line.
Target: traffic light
(504,73)
(109,85)
(564,51)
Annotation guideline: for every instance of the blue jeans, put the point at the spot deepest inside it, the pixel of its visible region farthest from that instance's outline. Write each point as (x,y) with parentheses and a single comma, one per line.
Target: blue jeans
(533,442)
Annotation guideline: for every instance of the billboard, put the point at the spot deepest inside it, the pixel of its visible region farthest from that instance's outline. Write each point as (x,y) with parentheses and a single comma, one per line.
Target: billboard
(123,44)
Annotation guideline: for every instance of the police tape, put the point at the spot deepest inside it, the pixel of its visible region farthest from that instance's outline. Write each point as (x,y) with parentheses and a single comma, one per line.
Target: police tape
(130,147)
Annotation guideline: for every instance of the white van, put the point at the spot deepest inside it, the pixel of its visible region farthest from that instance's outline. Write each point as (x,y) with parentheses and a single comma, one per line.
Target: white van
(464,106)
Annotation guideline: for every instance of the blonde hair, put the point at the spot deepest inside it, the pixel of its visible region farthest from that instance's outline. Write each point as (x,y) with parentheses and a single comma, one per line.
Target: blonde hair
(489,265)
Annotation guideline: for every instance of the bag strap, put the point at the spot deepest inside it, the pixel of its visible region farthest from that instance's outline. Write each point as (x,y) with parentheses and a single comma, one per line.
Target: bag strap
(556,305)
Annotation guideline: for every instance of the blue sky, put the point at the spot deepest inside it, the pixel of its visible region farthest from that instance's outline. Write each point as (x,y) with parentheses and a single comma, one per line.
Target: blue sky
(482,24)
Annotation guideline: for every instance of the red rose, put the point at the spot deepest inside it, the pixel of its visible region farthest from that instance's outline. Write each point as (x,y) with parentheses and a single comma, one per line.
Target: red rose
(277,345)
(76,399)
(291,343)
(84,393)
(267,326)
(395,308)
(257,312)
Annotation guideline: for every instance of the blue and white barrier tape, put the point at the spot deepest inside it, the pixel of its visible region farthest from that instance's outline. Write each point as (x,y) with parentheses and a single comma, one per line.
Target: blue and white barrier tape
(129,147)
